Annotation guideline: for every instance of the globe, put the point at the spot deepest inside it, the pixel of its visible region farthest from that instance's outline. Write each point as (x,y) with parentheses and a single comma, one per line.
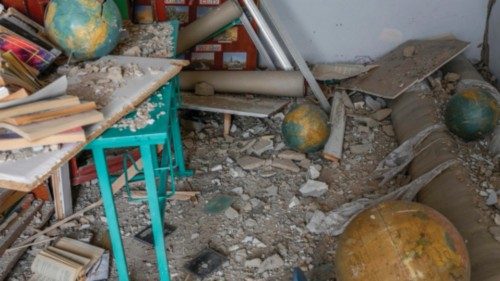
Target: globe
(305,128)
(471,114)
(83,29)
(401,241)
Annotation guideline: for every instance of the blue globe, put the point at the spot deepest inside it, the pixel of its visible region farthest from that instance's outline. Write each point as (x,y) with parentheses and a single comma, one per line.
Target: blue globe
(83,29)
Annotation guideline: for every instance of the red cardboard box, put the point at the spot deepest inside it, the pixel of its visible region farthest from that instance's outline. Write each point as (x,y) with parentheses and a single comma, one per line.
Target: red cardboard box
(231,50)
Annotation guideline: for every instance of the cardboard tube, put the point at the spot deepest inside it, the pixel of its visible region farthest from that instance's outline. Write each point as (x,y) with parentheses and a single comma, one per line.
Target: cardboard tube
(207,25)
(274,83)
(452,193)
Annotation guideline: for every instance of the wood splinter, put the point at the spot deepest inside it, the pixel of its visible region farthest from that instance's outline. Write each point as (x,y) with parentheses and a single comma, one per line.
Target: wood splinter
(333,147)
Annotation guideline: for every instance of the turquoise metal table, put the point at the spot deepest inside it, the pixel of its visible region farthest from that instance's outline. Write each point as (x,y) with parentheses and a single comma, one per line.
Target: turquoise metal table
(158,173)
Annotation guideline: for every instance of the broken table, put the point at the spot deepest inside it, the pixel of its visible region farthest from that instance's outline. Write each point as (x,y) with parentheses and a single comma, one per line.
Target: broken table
(25,175)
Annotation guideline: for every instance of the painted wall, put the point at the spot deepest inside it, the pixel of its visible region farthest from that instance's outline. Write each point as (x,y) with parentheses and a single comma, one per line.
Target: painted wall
(346,30)
(495,41)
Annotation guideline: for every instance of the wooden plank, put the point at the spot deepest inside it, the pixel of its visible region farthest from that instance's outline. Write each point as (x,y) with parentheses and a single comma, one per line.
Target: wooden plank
(24,175)
(229,104)
(179,195)
(334,145)
(11,201)
(9,259)
(61,188)
(227,124)
(397,73)
(36,131)
(19,94)
(38,106)
(50,114)
(12,141)
(13,231)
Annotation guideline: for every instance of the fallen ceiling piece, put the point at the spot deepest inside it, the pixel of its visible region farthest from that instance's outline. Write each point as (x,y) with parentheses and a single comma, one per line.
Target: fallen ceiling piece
(397,73)
(227,104)
(339,71)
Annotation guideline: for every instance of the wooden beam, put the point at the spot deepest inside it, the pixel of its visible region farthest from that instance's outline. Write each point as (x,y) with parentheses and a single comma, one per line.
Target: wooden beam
(61,187)
(333,148)
(227,124)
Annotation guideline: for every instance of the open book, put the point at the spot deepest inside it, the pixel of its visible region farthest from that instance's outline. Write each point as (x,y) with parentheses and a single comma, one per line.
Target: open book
(67,260)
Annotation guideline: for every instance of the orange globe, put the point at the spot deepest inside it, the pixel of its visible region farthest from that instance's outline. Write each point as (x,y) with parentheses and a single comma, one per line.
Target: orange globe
(400,241)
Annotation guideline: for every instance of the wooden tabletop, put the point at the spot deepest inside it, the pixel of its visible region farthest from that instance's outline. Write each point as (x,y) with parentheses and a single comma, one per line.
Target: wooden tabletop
(25,175)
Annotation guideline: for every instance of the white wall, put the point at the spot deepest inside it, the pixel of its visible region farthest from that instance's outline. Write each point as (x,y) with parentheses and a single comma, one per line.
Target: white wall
(344,30)
(495,41)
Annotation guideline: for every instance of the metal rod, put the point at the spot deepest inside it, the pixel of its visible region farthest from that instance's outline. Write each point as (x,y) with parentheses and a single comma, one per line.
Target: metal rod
(256,41)
(282,60)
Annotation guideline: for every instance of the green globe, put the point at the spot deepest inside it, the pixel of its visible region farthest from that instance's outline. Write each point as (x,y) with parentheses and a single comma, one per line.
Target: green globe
(84,29)
(306,128)
(471,114)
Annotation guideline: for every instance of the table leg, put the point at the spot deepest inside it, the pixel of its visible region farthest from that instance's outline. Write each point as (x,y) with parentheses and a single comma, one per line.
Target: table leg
(178,149)
(110,211)
(155,213)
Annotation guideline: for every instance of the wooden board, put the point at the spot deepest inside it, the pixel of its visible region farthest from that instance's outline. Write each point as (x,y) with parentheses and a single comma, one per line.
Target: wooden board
(237,105)
(19,94)
(397,73)
(36,131)
(334,145)
(13,141)
(26,174)
(38,106)
(50,114)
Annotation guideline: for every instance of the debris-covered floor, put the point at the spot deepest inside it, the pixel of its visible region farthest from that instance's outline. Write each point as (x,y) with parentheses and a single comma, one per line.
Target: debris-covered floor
(269,227)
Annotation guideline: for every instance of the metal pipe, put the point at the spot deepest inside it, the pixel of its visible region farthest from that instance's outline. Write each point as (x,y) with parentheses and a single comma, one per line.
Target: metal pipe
(281,60)
(268,62)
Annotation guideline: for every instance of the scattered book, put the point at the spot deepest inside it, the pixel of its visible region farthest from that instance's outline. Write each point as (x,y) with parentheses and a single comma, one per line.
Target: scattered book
(67,260)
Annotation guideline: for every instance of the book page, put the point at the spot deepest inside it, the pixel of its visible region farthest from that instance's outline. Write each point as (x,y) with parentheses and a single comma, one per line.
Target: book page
(47,267)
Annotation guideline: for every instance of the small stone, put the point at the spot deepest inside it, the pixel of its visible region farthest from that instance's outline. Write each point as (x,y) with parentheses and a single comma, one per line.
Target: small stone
(373,104)
(240,255)
(313,188)
(236,172)
(492,197)
(381,114)
(292,155)
(497,219)
(255,263)
(409,51)
(250,163)
(495,231)
(250,223)
(285,164)
(272,191)
(313,173)
(262,146)
(294,202)
(388,130)
(216,168)
(452,77)
(271,263)
(231,213)
(204,89)
(360,148)
(237,190)
(194,236)
(134,51)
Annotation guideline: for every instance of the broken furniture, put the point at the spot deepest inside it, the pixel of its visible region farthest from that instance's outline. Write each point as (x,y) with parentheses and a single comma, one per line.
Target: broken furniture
(164,132)
(25,175)
(159,174)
